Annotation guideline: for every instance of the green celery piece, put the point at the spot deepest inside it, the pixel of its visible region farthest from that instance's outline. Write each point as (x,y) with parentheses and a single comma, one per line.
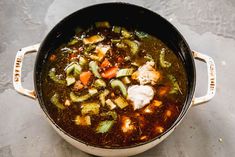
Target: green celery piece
(104,126)
(163,63)
(55,101)
(94,68)
(124,72)
(90,108)
(120,85)
(76,98)
(121,102)
(113,114)
(53,76)
(70,80)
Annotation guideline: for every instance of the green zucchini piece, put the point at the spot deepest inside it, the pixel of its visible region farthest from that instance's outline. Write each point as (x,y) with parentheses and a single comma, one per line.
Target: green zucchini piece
(99,83)
(175,84)
(134,46)
(113,114)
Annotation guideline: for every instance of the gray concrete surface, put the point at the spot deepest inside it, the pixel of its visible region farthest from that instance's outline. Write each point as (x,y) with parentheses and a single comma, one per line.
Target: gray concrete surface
(206,131)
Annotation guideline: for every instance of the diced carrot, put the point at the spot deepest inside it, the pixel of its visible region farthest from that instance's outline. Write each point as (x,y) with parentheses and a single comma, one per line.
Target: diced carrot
(163,91)
(52,57)
(85,77)
(105,63)
(110,73)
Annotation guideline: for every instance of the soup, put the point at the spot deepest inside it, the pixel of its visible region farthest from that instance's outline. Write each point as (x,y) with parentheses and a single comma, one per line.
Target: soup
(110,86)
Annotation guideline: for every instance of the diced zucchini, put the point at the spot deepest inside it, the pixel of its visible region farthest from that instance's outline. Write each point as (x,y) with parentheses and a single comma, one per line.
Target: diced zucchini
(94,68)
(103,24)
(163,63)
(104,126)
(113,114)
(77,70)
(83,61)
(93,39)
(99,83)
(124,72)
(121,102)
(88,49)
(125,33)
(90,108)
(54,77)
(70,80)
(134,46)
(55,101)
(76,98)
(83,120)
(110,104)
(103,95)
(116,29)
(120,85)
(92,91)
(126,80)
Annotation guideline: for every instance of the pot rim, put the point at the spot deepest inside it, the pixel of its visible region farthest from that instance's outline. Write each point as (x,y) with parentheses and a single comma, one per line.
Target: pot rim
(188,98)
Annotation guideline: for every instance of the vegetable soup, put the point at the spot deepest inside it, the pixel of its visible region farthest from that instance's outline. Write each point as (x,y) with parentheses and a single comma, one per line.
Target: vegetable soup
(110,86)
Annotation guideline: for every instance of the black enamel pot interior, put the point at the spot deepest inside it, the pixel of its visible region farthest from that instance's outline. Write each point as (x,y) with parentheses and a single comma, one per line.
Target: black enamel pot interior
(122,14)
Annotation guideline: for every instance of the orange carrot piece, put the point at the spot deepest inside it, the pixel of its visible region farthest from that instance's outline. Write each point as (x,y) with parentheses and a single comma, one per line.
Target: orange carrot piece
(110,73)
(85,77)
(105,63)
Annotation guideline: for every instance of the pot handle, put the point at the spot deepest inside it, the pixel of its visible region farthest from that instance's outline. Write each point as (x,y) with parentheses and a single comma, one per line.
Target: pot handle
(211,89)
(18,69)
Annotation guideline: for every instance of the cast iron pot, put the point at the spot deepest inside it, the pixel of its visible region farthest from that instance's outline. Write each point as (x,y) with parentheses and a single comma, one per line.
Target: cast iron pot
(126,15)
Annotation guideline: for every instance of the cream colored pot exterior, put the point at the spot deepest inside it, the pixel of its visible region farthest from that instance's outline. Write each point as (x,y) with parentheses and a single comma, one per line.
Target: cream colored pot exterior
(104,151)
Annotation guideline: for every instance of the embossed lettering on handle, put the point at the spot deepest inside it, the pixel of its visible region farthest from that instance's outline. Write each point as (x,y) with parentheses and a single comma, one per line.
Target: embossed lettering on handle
(17,71)
(211,89)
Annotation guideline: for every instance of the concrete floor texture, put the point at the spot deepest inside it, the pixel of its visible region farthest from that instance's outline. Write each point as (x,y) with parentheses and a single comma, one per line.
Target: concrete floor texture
(206,131)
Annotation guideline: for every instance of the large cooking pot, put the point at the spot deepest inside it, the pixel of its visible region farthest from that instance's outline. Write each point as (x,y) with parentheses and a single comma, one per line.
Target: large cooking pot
(126,15)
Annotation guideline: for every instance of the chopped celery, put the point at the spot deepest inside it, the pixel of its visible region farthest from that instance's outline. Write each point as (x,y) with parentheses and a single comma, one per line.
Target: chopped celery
(73,67)
(55,101)
(83,61)
(163,63)
(113,114)
(115,41)
(73,41)
(76,98)
(103,95)
(55,78)
(83,120)
(120,85)
(99,83)
(70,80)
(94,68)
(90,108)
(89,48)
(102,24)
(121,102)
(134,46)
(125,33)
(110,104)
(175,84)
(94,57)
(92,91)
(126,80)
(124,72)
(104,126)
(116,29)
(141,35)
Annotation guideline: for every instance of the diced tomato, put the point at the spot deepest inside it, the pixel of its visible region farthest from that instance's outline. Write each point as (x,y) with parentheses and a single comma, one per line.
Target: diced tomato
(105,64)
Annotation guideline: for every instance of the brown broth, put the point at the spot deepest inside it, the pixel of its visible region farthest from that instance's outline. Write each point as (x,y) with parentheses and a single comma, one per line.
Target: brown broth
(147,126)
